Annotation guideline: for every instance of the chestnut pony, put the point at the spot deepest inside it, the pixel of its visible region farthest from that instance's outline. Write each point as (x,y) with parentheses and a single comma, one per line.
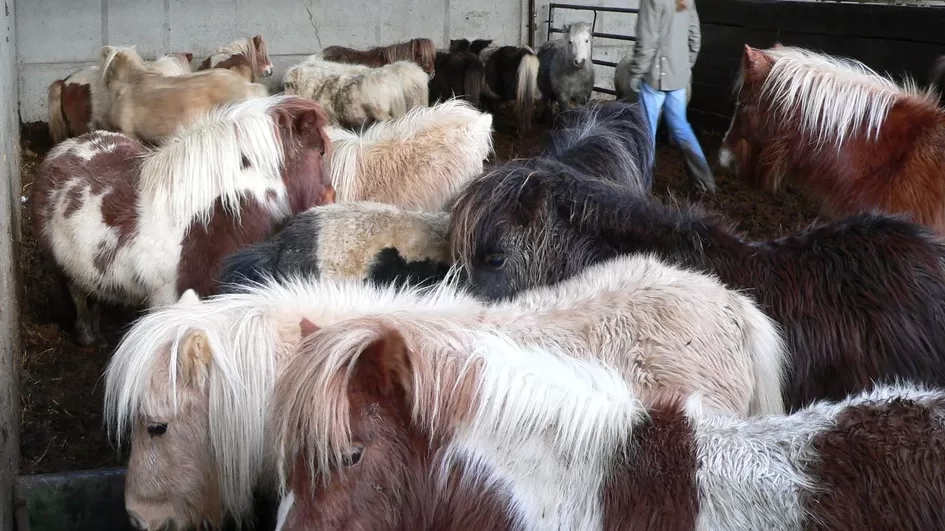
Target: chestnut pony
(868,143)
(134,226)
(248,57)
(420,50)
(385,425)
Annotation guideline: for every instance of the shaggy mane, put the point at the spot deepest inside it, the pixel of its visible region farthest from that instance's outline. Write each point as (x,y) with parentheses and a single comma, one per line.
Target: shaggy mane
(243,331)
(202,162)
(477,381)
(244,47)
(834,97)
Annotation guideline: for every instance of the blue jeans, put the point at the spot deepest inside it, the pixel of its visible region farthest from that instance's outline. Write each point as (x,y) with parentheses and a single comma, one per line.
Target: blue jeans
(674,103)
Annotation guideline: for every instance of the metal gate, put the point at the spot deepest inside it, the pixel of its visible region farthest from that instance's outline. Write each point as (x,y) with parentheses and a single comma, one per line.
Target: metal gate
(595,33)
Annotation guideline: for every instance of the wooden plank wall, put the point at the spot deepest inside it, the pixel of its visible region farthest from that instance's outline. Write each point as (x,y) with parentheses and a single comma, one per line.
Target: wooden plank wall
(894,39)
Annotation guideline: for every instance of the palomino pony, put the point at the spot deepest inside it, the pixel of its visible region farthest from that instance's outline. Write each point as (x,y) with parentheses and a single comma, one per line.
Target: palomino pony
(363,240)
(566,69)
(869,144)
(417,162)
(151,107)
(383,427)
(218,360)
(462,75)
(135,226)
(859,301)
(421,51)
(356,95)
(79,103)
(248,57)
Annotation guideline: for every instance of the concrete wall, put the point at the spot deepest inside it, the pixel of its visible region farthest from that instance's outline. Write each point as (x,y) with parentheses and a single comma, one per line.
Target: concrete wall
(9,268)
(57,37)
(604,49)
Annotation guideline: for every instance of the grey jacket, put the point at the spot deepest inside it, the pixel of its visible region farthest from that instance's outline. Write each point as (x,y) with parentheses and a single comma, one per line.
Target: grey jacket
(667,44)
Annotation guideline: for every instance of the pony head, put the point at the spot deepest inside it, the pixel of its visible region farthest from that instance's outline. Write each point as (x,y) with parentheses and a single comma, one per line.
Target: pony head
(579,43)
(389,423)
(118,62)
(263,66)
(739,147)
(301,126)
(424,54)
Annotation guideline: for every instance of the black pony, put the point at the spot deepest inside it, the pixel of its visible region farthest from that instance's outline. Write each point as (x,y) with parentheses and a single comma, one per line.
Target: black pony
(859,301)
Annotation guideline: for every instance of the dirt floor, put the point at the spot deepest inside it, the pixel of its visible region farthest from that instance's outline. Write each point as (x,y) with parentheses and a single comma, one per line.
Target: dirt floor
(61,384)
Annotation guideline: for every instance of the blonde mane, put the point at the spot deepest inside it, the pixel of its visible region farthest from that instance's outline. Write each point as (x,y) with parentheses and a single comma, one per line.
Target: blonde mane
(477,381)
(172,64)
(243,47)
(246,335)
(834,97)
(202,161)
(449,140)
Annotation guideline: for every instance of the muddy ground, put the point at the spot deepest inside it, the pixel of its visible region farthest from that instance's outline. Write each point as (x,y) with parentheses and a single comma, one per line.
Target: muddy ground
(61,384)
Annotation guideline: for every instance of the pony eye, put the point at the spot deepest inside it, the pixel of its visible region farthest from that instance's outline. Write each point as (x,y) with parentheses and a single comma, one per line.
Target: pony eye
(157,429)
(352,458)
(495,261)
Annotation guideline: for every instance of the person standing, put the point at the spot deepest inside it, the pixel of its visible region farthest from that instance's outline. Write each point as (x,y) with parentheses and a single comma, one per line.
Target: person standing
(668,41)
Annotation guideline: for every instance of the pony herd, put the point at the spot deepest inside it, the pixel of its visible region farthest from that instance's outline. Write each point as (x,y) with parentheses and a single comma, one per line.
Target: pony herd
(377,330)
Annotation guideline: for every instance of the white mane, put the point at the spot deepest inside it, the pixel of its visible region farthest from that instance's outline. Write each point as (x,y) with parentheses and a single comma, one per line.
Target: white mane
(834,96)
(203,161)
(447,141)
(245,334)
(522,396)
(171,65)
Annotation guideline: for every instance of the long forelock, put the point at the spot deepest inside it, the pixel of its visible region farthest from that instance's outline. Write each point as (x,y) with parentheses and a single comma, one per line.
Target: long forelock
(202,162)
(833,97)
(514,392)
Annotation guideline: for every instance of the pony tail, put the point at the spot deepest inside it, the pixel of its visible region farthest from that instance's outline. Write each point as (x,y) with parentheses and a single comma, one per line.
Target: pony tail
(58,128)
(473,81)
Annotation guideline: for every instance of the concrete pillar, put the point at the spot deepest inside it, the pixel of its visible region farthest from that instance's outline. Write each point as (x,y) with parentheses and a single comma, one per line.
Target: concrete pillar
(9,266)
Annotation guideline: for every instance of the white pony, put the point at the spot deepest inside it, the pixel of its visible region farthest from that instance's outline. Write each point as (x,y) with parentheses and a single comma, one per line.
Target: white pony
(355,95)
(206,369)
(417,162)
(138,227)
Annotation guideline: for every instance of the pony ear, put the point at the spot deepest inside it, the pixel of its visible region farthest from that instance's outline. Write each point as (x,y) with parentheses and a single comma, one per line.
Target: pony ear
(385,364)
(189,298)
(194,358)
(104,51)
(531,198)
(189,56)
(307,327)
(752,59)
(311,125)
(777,45)
(257,40)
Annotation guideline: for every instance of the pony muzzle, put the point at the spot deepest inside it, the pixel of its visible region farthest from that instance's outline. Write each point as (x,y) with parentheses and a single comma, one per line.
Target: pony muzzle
(579,64)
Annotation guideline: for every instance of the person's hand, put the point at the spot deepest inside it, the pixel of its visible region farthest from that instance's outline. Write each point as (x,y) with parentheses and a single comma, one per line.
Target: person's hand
(635,83)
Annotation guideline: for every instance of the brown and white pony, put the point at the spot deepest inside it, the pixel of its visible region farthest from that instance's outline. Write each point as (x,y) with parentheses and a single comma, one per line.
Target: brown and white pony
(866,143)
(150,106)
(134,226)
(386,427)
(79,103)
(218,360)
(248,57)
(356,95)
(421,51)
(418,161)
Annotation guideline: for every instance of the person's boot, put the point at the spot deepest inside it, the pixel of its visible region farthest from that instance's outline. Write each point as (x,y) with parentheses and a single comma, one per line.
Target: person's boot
(698,171)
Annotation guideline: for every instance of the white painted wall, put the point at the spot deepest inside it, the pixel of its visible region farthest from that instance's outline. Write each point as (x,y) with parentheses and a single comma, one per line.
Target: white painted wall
(57,37)
(604,49)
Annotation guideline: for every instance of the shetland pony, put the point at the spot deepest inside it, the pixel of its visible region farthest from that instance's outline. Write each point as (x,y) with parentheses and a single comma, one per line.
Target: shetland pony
(362,240)
(79,103)
(218,359)
(151,107)
(566,69)
(384,427)
(462,75)
(417,162)
(135,226)
(860,300)
(421,51)
(512,72)
(355,95)
(248,57)
(869,144)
